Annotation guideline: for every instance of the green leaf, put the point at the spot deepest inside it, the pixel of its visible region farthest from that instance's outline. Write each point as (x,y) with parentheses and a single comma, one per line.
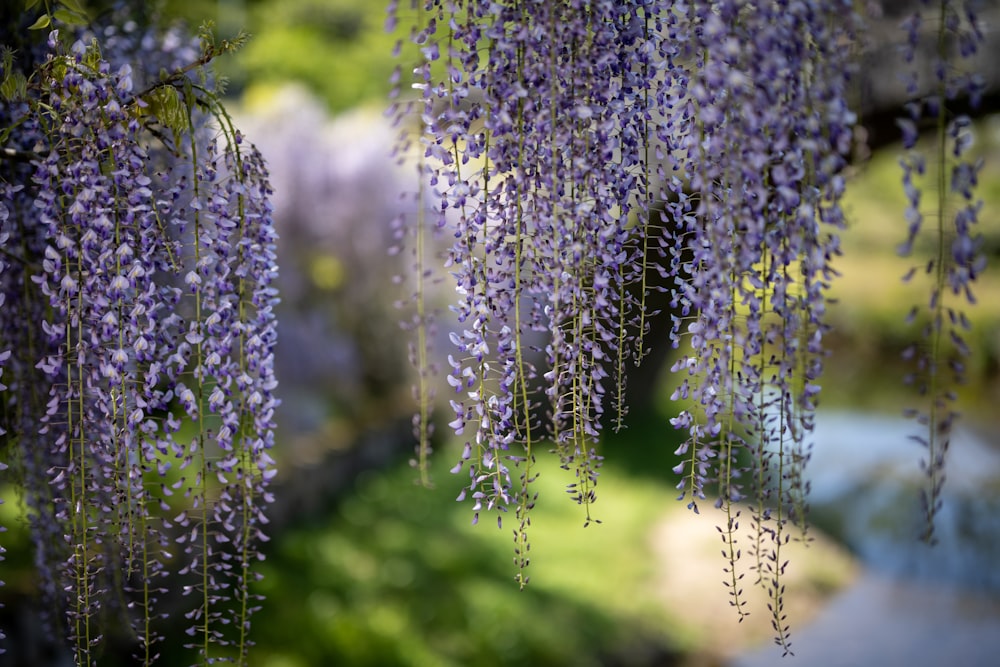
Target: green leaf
(7,89)
(29,4)
(59,66)
(43,22)
(74,6)
(92,57)
(165,103)
(14,86)
(70,17)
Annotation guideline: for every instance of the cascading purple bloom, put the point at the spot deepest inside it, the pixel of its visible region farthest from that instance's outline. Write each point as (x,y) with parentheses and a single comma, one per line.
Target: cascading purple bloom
(953,211)
(143,303)
(538,195)
(771,138)
(572,147)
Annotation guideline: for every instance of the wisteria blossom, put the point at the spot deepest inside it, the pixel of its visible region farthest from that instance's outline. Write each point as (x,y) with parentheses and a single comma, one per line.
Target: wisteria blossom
(949,183)
(137,279)
(570,149)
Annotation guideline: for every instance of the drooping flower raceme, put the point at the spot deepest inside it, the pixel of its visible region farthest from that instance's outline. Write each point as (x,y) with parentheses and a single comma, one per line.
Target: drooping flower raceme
(949,180)
(538,179)
(141,303)
(570,148)
(771,132)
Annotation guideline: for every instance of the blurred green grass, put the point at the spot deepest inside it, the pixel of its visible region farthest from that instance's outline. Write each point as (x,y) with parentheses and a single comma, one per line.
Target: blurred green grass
(397,575)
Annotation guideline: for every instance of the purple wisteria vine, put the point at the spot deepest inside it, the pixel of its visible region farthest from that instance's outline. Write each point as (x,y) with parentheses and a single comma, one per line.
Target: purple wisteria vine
(948,180)
(137,336)
(568,151)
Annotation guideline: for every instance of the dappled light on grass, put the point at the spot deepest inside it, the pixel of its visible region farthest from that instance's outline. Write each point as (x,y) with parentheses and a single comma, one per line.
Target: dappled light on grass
(397,575)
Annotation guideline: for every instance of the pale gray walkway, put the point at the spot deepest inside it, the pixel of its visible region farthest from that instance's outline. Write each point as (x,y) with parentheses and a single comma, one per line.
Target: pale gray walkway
(878,622)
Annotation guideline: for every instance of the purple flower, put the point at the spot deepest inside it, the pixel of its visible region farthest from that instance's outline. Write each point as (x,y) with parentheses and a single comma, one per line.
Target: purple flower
(102,302)
(951,202)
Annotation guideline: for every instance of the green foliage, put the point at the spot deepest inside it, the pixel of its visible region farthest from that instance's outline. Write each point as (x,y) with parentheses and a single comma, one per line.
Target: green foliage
(68,13)
(13,85)
(165,103)
(338,48)
(398,576)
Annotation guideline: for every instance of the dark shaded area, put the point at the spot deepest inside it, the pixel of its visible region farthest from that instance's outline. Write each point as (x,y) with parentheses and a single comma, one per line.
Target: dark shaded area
(882,130)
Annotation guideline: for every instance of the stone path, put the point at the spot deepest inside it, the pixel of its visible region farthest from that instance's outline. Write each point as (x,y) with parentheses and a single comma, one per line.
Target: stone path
(690,583)
(880,622)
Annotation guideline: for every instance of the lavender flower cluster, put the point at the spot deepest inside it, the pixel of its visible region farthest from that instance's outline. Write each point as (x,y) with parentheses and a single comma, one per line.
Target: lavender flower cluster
(956,256)
(139,328)
(535,160)
(770,135)
(569,149)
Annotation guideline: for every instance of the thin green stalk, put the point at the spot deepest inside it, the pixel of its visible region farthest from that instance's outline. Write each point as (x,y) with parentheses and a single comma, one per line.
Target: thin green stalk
(202,490)
(727,455)
(80,502)
(423,366)
(935,448)
(646,208)
(521,381)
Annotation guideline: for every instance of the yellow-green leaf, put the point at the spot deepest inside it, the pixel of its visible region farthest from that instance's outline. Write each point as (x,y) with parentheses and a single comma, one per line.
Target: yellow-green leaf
(165,103)
(43,22)
(70,17)
(59,68)
(93,54)
(74,6)
(14,86)
(7,89)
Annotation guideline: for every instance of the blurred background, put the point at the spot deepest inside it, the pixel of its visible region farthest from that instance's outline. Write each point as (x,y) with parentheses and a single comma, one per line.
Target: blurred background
(366,568)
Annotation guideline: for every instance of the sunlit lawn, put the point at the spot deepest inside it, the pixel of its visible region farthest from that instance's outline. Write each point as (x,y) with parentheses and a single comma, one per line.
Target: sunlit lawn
(398,575)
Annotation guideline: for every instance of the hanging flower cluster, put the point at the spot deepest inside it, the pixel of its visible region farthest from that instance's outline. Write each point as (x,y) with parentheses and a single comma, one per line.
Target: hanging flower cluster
(537,149)
(572,148)
(956,258)
(139,406)
(770,135)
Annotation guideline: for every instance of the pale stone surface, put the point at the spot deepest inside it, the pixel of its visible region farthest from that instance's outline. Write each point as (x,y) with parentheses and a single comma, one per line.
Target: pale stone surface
(881,622)
(688,549)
